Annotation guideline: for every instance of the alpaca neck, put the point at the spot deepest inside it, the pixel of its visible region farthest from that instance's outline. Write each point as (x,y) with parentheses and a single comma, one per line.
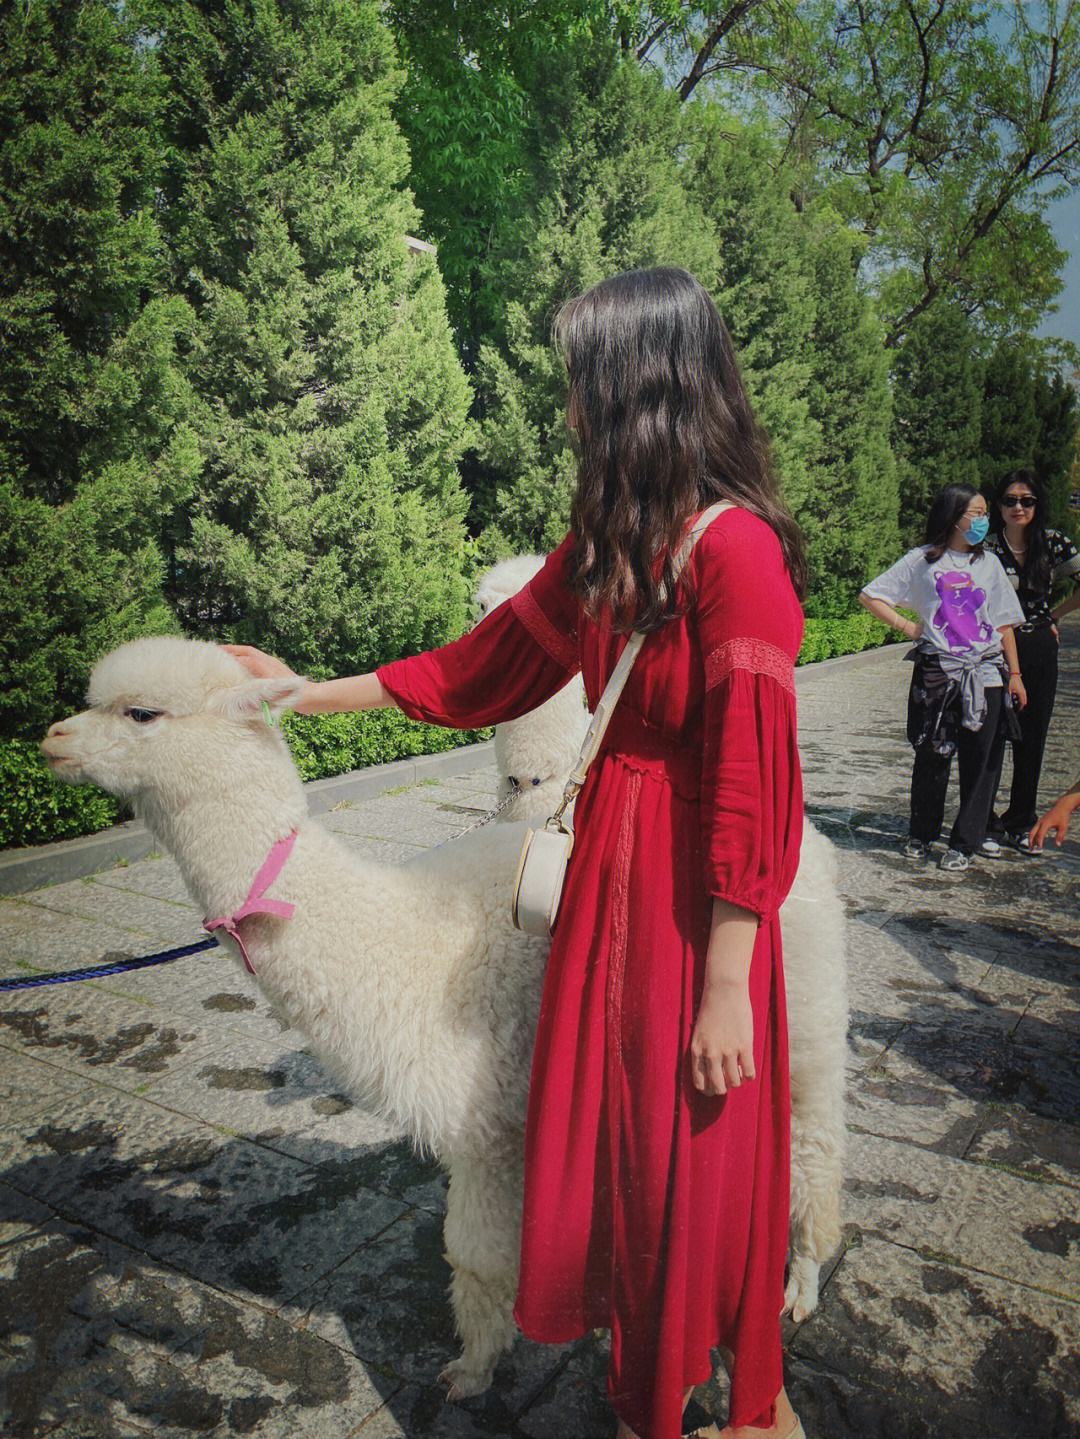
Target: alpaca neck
(221,836)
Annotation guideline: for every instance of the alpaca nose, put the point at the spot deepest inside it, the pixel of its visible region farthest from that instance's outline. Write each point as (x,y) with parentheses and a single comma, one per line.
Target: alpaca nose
(54,733)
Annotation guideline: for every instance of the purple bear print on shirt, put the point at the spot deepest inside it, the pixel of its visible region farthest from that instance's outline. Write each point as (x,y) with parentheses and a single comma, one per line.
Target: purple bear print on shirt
(957,617)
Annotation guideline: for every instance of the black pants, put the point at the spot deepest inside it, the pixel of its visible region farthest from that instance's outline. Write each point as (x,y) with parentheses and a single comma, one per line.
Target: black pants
(978,755)
(1037,651)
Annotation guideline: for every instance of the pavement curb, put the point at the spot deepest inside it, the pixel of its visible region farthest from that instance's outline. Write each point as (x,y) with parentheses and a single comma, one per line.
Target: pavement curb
(22,870)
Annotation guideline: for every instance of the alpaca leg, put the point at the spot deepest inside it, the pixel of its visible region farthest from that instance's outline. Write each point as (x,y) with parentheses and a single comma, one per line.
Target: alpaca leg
(482,1234)
(817,1017)
(817,1171)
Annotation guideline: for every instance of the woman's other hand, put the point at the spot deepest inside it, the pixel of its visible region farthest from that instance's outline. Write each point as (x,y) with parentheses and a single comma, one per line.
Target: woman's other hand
(1056,819)
(722,1044)
(259,665)
(1017,690)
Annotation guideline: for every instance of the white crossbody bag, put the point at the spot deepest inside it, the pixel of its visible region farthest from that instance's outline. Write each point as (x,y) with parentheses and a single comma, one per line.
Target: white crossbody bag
(546,852)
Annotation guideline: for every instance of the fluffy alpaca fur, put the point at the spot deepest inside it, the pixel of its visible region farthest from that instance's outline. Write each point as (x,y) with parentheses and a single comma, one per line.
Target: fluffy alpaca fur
(538,751)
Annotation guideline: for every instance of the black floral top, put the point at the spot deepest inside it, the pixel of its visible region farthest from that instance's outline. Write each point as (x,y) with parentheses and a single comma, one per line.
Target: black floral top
(1064,564)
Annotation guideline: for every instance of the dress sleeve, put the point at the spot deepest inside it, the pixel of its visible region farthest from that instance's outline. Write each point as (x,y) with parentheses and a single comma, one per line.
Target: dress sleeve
(750,628)
(521,654)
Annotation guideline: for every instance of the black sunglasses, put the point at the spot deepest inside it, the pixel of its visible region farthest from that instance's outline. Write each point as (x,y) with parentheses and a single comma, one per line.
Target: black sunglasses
(1028,502)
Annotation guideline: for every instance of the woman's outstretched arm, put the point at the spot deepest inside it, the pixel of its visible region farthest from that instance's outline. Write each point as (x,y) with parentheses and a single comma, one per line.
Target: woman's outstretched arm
(354,692)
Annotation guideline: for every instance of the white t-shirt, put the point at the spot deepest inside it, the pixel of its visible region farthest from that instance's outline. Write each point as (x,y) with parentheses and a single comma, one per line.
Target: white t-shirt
(962,598)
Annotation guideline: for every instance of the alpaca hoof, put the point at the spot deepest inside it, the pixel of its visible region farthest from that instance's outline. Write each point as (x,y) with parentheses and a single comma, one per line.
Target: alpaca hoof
(801,1294)
(462,1381)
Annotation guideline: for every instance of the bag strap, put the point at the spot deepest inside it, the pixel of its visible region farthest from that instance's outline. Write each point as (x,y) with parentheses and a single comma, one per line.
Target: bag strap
(601,717)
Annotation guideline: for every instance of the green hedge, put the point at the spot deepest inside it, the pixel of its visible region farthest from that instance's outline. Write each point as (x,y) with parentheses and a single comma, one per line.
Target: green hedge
(35,808)
(824,639)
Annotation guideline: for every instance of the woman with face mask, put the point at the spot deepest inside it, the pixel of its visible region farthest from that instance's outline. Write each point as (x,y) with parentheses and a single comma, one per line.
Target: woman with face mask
(965,663)
(1034,558)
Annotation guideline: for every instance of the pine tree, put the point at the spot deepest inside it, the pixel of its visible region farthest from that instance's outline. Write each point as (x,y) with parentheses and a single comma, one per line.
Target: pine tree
(937,398)
(328,524)
(606,195)
(94,445)
(1056,444)
(763,282)
(1010,424)
(850,517)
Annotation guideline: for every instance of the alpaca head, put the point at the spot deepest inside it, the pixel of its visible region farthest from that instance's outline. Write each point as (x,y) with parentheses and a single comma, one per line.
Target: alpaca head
(170,718)
(535,753)
(505,579)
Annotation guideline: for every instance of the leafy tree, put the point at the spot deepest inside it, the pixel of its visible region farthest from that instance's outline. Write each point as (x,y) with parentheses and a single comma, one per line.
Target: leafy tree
(94,443)
(947,129)
(604,194)
(937,424)
(332,409)
(810,347)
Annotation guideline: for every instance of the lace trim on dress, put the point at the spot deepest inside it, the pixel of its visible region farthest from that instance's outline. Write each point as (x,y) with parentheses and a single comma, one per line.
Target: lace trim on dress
(559,646)
(757,656)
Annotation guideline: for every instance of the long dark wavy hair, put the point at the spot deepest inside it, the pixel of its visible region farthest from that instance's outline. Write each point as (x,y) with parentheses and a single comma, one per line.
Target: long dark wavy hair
(664,429)
(1035,571)
(946,511)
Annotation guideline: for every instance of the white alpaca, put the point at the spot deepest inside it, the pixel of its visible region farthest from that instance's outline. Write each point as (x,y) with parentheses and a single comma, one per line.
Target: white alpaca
(410,981)
(534,755)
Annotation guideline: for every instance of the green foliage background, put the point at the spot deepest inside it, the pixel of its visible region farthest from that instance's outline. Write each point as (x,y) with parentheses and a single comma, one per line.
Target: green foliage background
(234,403)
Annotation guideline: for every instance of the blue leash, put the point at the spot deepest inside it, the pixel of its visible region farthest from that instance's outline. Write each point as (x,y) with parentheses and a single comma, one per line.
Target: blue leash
(99,971)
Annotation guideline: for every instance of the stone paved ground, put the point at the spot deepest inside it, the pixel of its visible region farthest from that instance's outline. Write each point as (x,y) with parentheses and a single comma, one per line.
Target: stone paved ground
(202,1237)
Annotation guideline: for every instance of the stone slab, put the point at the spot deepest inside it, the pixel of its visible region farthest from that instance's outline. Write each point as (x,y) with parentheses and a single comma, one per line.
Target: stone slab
(932,1349)
(390,1304)
(78,1030)
(979,1217)
(282,1098)
(228,1212)
(154,1352)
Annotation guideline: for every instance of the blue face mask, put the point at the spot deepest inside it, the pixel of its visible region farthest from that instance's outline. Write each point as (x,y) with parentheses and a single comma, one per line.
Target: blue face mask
(977,531)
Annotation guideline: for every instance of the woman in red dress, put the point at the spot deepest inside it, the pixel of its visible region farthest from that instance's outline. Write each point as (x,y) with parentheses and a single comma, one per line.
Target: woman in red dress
(656,1176)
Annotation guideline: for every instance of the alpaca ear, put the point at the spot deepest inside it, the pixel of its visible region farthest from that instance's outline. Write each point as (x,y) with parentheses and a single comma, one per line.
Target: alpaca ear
(259,699)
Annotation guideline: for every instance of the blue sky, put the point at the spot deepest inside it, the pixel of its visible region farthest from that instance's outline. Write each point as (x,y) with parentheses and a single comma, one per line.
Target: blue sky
(1065,216)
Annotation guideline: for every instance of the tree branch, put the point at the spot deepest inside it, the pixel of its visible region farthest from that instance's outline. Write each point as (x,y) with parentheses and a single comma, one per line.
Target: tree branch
(722,27)
(647,44)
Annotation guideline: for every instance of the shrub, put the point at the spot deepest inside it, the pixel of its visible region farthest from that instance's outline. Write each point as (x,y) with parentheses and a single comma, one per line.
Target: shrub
(824,639)
(36,808)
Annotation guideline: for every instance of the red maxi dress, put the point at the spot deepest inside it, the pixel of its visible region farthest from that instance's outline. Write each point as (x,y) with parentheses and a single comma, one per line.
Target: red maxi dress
(652,1209)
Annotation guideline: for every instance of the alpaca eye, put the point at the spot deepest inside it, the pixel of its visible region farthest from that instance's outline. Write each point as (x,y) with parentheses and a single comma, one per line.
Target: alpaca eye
(142,716)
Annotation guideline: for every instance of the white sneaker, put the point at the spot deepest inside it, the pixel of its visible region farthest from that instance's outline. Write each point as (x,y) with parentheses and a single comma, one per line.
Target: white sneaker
(916,849)
(990,847)
(954,860)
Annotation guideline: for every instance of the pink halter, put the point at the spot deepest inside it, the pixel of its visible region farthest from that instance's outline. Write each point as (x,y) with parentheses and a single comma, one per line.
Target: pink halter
(272,866)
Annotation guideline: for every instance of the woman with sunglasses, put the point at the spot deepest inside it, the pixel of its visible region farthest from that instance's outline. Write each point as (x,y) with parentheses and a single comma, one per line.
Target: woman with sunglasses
(965,658)
(1035,558)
